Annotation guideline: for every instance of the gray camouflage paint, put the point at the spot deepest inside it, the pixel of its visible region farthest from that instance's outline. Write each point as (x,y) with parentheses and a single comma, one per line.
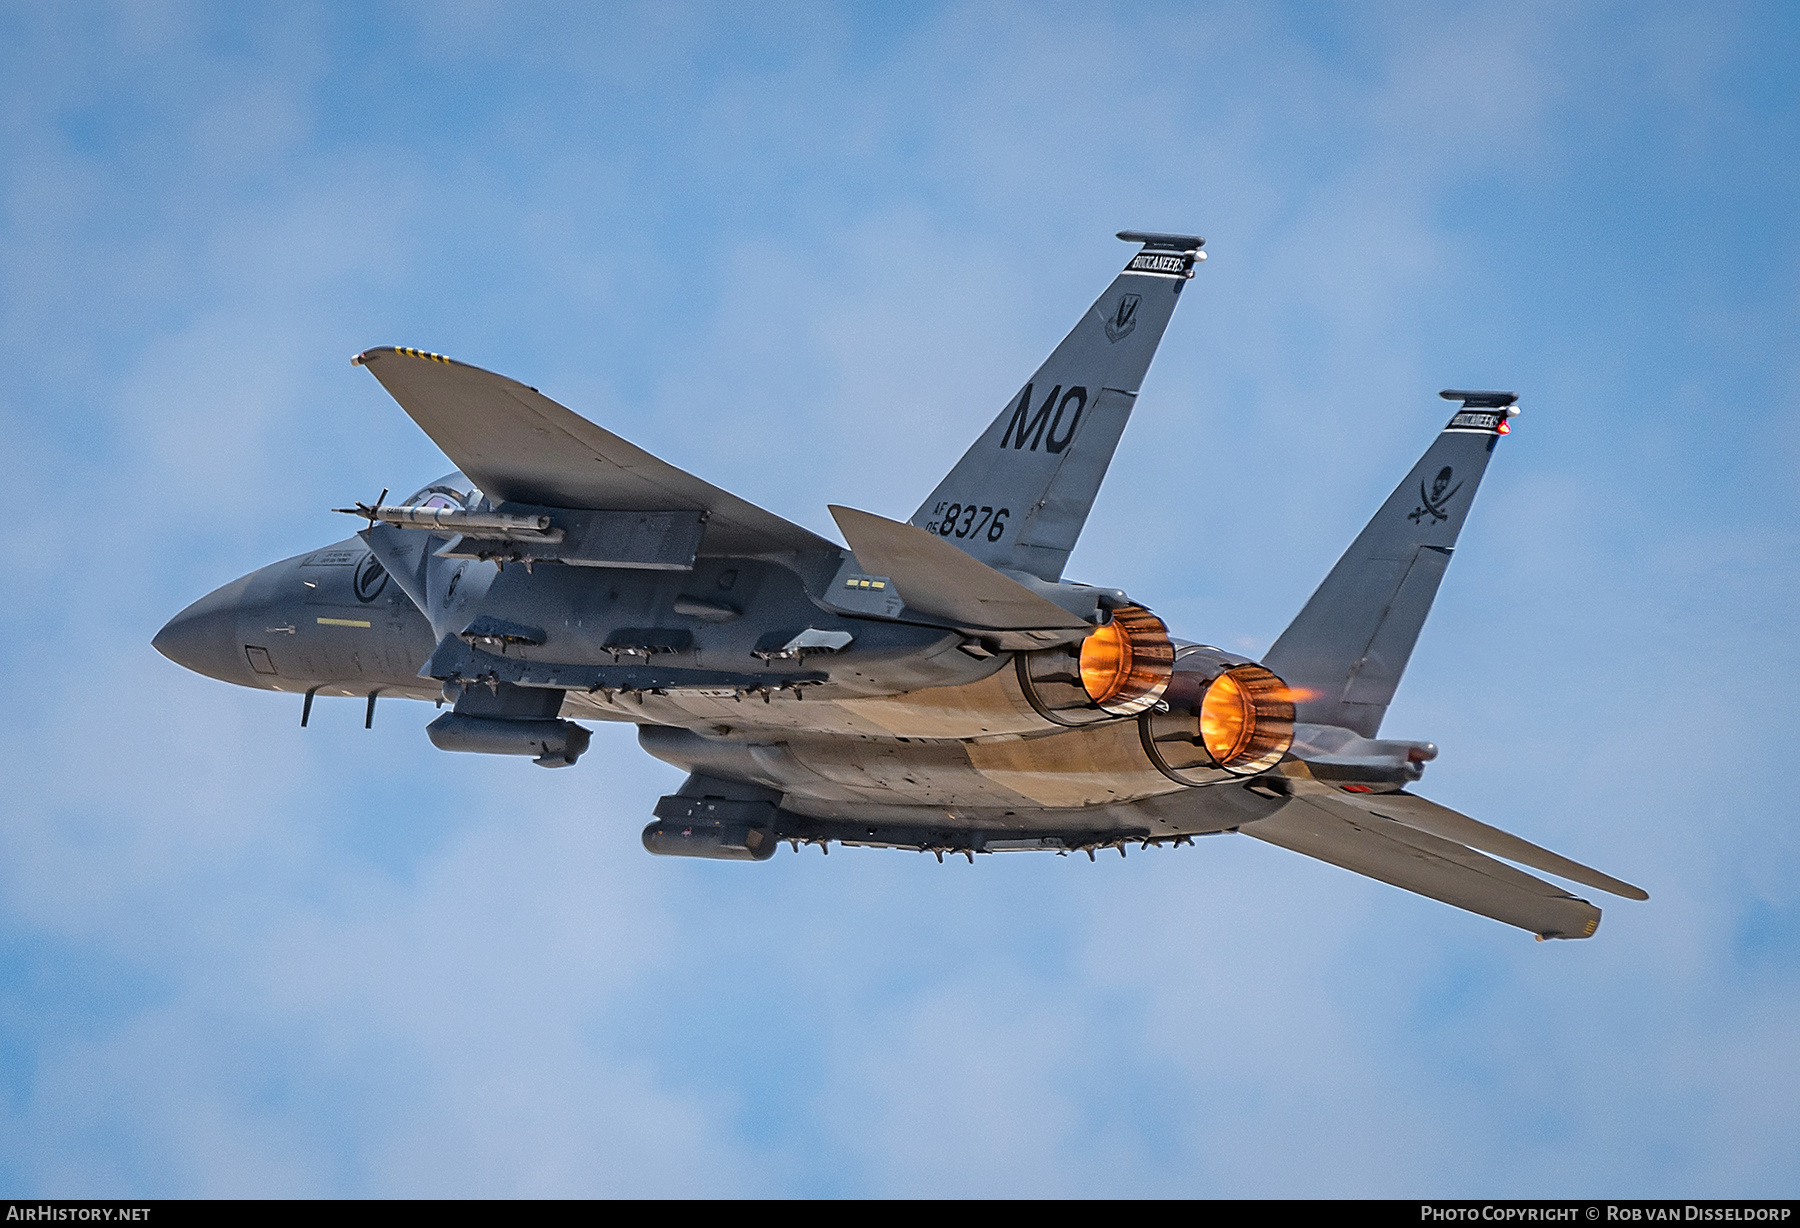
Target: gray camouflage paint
(807,697)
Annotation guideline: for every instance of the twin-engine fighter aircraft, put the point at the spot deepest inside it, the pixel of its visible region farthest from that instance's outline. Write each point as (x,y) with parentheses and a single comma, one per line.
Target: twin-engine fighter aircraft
(938,686)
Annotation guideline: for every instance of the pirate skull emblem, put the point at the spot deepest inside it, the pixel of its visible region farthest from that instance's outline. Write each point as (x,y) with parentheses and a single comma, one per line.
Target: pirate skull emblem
(1432,504)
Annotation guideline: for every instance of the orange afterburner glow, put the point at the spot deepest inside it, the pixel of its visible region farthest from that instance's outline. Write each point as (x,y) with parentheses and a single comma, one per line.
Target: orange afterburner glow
(1247,720)
(1125,665)
(1119,669)
(1105,662)
(1226,719)
(1236,722)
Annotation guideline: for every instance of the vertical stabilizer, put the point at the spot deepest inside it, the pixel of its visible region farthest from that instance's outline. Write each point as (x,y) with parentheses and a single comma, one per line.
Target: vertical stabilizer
(1019,497)
(1345,652)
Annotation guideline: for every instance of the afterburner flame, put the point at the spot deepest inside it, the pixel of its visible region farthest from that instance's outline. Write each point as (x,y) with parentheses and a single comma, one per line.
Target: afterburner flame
(1250,712)
(1105,662)
(1126,664)
(1239,721)
(1118,669)
(1226,719)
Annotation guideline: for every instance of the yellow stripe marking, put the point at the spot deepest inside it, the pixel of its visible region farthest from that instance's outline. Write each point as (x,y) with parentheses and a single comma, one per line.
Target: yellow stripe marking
(363,358)
(343,622)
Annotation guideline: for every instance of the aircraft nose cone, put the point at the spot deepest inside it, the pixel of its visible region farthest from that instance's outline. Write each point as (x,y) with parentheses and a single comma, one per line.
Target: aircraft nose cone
(204,637)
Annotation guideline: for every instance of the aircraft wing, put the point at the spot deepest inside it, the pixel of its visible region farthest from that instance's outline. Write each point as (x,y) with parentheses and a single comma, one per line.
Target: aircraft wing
(1326,824)
(519,446)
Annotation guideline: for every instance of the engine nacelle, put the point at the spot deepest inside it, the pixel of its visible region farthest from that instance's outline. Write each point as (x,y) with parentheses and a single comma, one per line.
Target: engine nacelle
(1120,670)
(1221,716)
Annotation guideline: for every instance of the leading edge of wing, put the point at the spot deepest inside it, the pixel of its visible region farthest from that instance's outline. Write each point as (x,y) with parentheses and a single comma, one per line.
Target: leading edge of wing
(1333,830)
(519,446)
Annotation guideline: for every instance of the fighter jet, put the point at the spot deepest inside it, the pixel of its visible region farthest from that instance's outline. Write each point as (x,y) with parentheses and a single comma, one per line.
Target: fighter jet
(937,686)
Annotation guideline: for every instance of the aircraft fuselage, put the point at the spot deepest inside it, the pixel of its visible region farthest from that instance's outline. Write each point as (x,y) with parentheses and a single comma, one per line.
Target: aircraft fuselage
(938,685)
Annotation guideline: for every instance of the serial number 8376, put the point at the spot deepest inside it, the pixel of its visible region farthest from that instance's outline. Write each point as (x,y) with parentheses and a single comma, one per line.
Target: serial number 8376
(968,520)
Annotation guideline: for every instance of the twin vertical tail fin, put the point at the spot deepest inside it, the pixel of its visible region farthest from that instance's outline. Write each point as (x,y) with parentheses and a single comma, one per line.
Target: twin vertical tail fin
(1020,496)
(1345,652)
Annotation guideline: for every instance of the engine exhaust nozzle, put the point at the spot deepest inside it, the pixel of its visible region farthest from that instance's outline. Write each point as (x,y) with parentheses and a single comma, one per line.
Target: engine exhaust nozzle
(1221,716)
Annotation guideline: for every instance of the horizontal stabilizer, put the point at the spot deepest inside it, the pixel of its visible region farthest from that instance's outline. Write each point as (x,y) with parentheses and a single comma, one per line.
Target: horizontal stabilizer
(519,446)
(1330,829)
(937,580)
(1427,816)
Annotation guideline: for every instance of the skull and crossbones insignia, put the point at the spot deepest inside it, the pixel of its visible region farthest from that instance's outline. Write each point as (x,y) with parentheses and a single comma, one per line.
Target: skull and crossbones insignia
(1432,504)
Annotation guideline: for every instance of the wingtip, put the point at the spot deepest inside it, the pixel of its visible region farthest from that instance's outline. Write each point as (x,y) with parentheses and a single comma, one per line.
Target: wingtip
(363,359)
(1588,930)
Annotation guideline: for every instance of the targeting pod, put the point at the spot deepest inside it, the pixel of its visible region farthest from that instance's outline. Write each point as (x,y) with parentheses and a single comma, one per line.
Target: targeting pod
(1225,717)
(718,828)
(1119,670)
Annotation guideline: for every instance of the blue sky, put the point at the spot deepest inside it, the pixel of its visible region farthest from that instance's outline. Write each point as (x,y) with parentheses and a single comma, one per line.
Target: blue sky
(808,253)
